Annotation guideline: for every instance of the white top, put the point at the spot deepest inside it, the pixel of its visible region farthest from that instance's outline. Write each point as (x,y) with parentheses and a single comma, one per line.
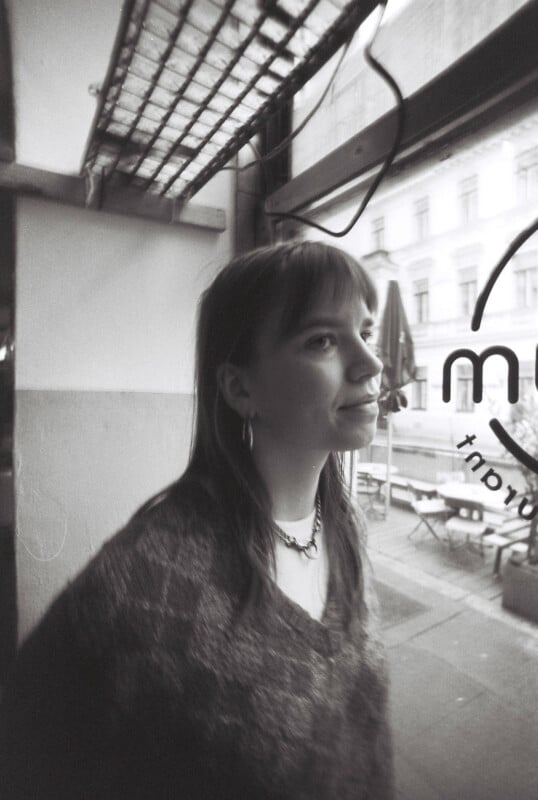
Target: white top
(302,579)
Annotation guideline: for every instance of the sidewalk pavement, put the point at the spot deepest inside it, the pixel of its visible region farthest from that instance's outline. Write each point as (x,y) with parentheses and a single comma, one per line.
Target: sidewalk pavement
(464,671)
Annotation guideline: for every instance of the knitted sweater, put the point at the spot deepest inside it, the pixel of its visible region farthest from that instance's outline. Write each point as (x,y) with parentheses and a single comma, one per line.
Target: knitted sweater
(142,682)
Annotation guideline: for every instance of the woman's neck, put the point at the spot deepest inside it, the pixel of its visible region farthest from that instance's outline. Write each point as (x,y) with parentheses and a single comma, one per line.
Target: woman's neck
(291,480)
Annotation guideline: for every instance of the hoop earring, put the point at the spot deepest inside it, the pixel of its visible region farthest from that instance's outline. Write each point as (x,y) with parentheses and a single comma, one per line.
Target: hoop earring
(247,436)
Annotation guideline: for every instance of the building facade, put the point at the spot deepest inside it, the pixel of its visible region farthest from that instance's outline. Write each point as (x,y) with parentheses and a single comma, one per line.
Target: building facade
(439,227)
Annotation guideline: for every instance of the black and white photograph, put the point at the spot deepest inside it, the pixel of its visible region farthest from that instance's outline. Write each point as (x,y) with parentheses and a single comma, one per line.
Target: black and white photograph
(269,400)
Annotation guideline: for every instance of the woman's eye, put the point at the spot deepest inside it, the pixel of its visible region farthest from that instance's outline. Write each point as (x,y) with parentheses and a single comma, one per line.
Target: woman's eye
(367,336)
(323,343)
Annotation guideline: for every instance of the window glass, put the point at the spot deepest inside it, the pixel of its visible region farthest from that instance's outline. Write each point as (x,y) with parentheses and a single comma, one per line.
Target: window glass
(464,388)
(378,233)
(468,290)
(526,379)
(421,297)
(469,199)
(422,218)
(526,280)
(359,96)
(527,174)
(420,389)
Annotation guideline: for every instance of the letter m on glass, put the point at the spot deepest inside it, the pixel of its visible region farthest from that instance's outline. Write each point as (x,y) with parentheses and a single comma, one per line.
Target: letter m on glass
(478,368)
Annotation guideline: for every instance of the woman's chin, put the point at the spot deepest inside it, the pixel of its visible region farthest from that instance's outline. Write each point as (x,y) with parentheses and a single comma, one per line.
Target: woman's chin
(359,439)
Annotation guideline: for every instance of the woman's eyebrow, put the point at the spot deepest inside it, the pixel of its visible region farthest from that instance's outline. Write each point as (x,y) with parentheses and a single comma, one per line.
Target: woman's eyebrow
(329,322)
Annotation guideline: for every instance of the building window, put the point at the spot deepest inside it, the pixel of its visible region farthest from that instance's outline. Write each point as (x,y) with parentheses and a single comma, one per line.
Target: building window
(420,389)
(378,233)
(346,97)
(421,295)
(527,383)
(468,287)
(469,199)
(526,277)
(527,174)
(464,388)
(422,218)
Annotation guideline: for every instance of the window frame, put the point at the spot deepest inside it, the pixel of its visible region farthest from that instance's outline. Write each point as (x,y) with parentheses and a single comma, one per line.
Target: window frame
(421,300)
(467,277)
(464,389)
(526,280)
(468,196)
(419,392)
(527,174)
(421,213)
(378,233)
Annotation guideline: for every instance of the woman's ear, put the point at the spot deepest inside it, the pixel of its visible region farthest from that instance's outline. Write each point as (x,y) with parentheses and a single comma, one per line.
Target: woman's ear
(233,385)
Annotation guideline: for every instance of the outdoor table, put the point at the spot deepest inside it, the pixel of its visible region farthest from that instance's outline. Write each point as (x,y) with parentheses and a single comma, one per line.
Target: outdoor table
(472,497)
(504,530)
(375,469)
(373,474)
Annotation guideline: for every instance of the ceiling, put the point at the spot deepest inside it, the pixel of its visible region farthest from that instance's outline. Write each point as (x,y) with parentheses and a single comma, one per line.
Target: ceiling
(191,81)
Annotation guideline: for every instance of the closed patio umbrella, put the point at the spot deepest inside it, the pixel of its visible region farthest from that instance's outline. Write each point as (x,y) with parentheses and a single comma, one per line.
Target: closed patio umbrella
(397,353)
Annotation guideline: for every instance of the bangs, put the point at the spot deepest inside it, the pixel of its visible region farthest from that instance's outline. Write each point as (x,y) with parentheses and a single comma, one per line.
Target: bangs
(312,271)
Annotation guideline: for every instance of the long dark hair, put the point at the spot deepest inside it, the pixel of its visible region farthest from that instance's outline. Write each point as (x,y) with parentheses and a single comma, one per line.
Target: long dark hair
(288,277)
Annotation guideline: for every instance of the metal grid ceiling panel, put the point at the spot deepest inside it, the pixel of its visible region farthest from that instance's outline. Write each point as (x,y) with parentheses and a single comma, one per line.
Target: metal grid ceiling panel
(191,81)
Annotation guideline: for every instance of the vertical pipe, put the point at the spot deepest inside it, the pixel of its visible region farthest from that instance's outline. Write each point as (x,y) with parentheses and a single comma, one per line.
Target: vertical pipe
(8,578)
(389,462)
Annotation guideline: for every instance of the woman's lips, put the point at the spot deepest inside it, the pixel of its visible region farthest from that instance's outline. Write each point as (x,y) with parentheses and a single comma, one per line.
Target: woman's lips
(366,407)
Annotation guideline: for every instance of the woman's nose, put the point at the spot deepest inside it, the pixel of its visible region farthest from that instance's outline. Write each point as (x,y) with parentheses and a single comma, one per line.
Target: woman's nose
(364,363)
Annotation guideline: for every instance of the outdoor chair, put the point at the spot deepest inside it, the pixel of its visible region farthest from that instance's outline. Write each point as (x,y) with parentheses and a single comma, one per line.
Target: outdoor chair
(371,489)
(466,525)
(430,513)
(513,533)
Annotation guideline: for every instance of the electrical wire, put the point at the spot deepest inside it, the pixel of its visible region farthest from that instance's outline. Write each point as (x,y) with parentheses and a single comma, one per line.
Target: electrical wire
(261,159)
(400,111)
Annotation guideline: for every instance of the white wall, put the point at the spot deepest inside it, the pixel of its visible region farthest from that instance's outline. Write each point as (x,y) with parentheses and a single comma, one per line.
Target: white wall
(107,303)
(105,311)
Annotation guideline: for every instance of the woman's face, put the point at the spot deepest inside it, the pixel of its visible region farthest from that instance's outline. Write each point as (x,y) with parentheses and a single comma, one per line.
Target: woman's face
(317,389)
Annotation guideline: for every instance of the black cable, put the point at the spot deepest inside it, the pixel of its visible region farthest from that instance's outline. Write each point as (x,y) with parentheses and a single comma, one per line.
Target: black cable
(400,110)
(512,249)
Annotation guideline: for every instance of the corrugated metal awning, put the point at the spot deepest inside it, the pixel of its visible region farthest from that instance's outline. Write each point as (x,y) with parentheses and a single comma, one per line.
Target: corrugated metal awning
(191,81)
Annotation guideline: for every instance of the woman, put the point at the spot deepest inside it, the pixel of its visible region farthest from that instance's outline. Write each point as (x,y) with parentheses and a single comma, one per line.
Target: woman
(220,646)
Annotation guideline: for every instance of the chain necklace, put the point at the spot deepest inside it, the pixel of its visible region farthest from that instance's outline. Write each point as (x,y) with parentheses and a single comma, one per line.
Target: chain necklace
(310,549)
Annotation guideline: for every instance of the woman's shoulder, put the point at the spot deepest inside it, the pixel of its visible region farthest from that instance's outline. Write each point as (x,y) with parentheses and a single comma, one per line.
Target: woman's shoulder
(79,670)
(127,580)
(166,529)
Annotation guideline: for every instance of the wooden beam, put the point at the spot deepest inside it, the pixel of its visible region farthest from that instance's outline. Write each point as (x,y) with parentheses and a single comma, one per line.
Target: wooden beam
(496,75)
(75,190)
